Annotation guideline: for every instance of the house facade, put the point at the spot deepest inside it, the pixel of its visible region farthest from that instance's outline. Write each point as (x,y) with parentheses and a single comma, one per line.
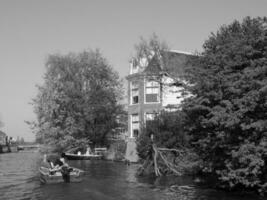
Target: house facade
(153,87)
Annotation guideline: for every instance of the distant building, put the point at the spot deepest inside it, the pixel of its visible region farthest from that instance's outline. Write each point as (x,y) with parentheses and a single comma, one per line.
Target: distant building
(2,138)
(153,87)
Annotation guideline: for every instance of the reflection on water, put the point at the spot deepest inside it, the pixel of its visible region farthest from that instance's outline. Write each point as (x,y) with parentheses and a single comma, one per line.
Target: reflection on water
(19,180)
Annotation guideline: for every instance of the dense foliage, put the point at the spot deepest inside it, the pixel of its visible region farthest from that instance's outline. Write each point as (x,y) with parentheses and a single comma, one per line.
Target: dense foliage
(166,130)
(166,137)
(78,102)
(146,49)
(228,113)
(225,119)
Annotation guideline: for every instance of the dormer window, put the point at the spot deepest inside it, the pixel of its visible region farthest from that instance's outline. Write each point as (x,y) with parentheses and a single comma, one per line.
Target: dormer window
(134,92)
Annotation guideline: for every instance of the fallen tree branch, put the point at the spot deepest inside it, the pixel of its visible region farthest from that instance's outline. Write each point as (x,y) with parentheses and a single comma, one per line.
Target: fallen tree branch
(158,159)
(166,149)
(156,169)
(169,165)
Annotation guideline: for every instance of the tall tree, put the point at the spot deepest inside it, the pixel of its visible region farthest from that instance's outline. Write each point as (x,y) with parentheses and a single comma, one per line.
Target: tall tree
(228,112)
(78,102)
(145,50)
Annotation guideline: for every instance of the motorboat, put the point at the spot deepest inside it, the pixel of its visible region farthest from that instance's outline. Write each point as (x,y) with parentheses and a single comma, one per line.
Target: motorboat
(72,156)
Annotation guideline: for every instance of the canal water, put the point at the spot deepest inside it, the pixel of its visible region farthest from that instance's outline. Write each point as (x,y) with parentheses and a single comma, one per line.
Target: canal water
(104,180)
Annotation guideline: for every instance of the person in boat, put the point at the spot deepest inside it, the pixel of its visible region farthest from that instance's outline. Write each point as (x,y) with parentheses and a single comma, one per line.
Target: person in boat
(62,166)
(59,163)
(46,163)
(88,151)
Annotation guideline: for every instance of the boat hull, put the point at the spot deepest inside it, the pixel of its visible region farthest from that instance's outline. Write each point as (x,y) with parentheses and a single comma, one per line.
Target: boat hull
(70,156)
(46,178)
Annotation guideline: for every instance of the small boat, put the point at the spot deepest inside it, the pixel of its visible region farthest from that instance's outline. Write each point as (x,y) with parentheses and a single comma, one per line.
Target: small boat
(72,156)
(76,175)
(20,148)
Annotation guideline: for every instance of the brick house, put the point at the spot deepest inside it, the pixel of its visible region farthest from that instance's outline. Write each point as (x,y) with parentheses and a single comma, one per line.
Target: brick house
(153,87)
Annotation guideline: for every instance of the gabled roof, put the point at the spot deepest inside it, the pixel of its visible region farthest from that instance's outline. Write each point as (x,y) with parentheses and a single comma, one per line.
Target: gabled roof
(154,66)
(171,62)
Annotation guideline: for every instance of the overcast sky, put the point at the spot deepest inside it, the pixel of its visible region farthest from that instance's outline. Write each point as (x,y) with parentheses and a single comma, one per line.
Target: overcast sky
(32,29)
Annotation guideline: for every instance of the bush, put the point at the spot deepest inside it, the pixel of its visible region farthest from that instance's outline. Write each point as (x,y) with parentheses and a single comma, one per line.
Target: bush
(167,131)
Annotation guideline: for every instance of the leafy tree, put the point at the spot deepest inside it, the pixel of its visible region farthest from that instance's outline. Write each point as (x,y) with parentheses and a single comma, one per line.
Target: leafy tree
(20,140)
(228,113)
(146,50)
(78,102)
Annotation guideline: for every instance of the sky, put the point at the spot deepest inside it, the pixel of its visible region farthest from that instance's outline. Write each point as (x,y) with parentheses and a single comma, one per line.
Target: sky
(30,30)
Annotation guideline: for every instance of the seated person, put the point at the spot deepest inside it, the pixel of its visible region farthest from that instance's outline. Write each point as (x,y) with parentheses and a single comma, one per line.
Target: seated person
(59,164)
(46,163)
(88,151)
(63,167)
(59,161)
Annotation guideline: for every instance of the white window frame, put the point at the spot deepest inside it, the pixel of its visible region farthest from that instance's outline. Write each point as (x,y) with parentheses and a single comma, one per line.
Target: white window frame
(146,80)
(131,124)
(131,93)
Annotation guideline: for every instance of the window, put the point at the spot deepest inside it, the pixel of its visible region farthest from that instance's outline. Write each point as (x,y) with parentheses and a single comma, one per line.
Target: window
(135,125)
(149,119)
(135,118)
(152,91)
(150,116)
(135,97)
(134,92)
(135,133)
